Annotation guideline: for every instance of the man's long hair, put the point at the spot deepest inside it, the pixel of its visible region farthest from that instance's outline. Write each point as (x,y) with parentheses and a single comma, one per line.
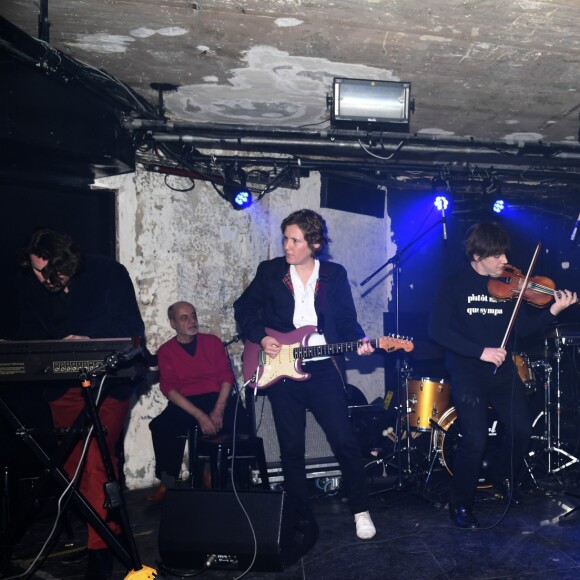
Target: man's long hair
(63,255)
(312,225)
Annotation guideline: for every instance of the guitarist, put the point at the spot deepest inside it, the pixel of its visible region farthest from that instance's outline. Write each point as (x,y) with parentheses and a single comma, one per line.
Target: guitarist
(291,292)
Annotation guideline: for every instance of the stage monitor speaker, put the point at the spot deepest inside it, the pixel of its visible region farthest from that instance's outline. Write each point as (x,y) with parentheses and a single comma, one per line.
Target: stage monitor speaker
(318,450)
(205,529)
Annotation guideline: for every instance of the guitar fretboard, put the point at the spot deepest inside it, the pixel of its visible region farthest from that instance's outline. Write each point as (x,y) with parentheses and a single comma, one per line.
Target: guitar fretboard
(386,343)
(302,352)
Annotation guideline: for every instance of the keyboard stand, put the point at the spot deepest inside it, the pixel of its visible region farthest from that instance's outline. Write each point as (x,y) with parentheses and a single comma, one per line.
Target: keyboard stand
(127,552)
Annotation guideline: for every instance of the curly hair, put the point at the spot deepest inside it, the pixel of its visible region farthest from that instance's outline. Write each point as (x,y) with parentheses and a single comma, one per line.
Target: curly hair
(312,225)
(63,255)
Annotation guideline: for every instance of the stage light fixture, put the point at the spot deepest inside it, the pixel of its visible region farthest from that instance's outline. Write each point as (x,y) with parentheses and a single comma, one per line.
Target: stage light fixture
(499,205)
(441,203)
(370,105)
(242,199)
(235,190)
(238,195)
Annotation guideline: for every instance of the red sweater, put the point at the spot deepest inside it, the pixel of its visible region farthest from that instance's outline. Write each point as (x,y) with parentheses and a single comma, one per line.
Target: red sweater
(194,375)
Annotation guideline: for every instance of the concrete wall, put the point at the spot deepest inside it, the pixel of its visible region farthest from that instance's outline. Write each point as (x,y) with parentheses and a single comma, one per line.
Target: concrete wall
(194,246)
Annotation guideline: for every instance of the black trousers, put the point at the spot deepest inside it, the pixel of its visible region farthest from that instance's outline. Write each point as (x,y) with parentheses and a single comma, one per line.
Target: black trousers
(169,430)
(474,391)
(325,396)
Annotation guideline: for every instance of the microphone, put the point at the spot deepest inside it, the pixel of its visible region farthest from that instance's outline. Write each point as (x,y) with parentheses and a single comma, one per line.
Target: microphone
(575,230)
(444,222)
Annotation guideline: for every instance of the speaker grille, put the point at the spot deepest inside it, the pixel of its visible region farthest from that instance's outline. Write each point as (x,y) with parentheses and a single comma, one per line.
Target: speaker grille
(318,450)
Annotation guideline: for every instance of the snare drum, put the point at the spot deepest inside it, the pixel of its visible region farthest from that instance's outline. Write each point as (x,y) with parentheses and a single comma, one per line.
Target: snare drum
(446,438)
(428,399)
(525,370)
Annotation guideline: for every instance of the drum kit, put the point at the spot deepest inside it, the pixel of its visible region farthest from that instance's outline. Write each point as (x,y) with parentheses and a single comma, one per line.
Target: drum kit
(429,411)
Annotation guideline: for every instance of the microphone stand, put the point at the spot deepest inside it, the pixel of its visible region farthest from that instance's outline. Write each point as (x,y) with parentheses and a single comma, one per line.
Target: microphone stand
(402,370)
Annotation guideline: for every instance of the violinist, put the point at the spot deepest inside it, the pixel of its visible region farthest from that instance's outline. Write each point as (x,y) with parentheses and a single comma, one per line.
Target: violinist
(470,323)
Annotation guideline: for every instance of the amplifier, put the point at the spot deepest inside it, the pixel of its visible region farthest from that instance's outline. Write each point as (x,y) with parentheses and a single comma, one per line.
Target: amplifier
(319,457)
(368,422)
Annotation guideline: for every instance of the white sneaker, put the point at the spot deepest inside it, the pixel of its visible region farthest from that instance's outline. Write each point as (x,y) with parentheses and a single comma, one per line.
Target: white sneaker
(365,529)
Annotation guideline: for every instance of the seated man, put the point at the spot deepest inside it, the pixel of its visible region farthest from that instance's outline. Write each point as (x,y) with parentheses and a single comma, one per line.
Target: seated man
(196,376)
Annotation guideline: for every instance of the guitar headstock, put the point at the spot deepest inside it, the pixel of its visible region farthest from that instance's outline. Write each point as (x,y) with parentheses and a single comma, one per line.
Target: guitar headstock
(392,343)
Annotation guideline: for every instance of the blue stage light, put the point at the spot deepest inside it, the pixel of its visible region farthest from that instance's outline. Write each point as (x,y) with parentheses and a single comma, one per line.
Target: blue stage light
(242,199)
(441,202)
(499,205)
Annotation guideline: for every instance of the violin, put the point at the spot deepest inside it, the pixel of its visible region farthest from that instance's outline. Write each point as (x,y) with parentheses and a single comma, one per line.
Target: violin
(539,291)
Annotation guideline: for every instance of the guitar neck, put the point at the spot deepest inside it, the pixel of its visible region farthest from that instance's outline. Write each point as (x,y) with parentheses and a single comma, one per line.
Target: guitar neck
(305,352)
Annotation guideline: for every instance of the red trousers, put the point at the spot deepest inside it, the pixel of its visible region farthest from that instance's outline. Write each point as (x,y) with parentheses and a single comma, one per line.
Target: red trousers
(112,413)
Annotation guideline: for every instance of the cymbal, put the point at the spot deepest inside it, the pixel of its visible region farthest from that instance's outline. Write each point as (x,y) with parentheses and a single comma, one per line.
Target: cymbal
(566,329)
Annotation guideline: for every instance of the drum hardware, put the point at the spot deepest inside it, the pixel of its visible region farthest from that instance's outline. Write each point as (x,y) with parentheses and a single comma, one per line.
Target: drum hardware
(423,402)
(435,452)
(401,436)
(558,459)
(445,440)
(525,371)
(402,433)
(403,371)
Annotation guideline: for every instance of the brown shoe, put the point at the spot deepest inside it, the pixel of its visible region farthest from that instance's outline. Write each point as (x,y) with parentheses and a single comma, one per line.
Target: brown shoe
(158,494)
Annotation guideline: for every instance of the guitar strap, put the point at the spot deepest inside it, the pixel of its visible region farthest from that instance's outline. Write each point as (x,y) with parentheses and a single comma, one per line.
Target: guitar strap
(320,301)
(321,294)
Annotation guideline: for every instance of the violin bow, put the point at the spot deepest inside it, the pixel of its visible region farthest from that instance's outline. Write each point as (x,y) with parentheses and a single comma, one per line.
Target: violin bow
(520,298)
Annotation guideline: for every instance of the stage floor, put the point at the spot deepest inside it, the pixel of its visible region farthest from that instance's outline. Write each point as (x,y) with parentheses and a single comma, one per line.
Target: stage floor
(415,538)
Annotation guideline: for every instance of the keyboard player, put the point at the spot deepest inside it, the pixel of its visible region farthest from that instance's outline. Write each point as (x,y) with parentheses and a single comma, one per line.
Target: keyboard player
(63,294)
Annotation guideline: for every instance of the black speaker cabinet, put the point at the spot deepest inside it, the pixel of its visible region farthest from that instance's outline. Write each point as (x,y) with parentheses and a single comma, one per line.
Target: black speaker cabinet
(208,529)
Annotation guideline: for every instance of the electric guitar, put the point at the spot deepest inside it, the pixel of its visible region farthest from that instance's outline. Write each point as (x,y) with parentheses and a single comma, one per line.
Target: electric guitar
(263,370)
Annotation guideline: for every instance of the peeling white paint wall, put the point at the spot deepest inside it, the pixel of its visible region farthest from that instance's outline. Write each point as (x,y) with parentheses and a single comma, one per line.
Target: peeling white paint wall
(194,246)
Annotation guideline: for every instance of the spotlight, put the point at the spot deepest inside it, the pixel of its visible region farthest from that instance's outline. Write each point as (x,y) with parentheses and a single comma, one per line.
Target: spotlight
(235,190)
(499,205)
(242,199)
(441,203)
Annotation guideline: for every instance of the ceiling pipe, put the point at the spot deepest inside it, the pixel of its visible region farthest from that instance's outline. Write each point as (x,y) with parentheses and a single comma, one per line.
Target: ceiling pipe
(385,154)
(374,137)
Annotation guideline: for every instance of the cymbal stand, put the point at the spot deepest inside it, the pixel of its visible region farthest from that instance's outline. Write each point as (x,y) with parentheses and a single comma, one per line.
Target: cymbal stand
(552,438)
(403,430)
(435,451)
(558,441)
